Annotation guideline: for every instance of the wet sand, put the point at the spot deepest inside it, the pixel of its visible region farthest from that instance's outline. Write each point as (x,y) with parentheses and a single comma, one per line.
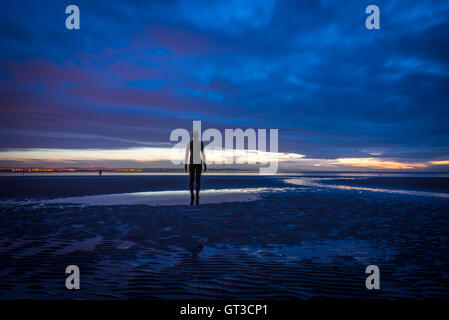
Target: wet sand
(307,242)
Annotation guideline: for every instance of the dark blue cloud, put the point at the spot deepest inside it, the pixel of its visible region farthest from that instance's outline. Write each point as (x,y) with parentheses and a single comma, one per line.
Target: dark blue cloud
(138,69)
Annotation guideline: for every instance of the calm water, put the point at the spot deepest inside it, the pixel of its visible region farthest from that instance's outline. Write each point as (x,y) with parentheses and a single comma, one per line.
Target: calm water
(255,237)
(155,189)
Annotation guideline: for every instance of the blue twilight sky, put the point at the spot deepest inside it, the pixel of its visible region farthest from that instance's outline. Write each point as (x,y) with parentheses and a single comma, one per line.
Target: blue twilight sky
(342,96)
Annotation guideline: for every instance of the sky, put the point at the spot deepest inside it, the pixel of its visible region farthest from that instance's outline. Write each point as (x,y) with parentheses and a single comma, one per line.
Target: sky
(341,96)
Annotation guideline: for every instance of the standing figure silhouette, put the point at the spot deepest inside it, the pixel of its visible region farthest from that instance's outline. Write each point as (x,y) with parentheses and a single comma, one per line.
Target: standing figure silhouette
(197,158)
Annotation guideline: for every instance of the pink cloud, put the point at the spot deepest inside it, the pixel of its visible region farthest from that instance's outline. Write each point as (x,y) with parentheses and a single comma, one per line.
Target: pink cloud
(40,70)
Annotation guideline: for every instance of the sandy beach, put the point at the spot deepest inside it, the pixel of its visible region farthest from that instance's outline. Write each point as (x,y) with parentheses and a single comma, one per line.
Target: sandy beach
(285,240)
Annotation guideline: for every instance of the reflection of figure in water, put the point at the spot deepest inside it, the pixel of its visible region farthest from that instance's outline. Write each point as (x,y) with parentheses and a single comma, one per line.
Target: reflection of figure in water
(197,159)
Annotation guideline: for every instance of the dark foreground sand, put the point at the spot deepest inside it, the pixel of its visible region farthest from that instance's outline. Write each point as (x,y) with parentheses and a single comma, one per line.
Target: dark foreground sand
(306,243)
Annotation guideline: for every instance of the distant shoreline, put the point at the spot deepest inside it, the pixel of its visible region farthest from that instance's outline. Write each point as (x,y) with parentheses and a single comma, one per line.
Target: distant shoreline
(110,173)
(215,170)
